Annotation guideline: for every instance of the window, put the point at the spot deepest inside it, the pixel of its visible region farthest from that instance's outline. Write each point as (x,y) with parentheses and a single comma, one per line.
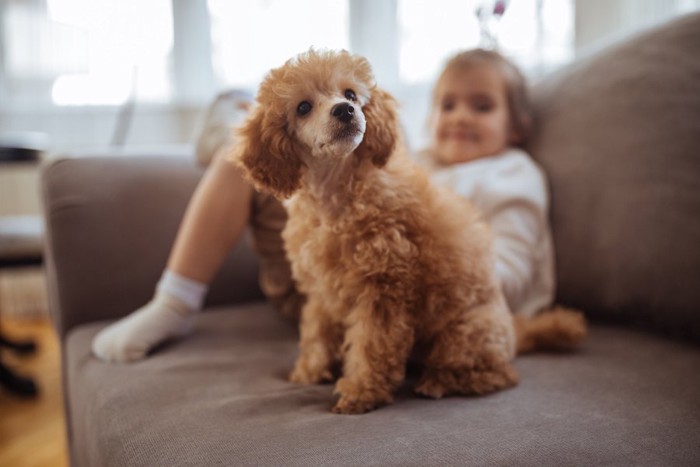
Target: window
(536,34)
(249,38)
(127,43)
(103,52)
(87,52)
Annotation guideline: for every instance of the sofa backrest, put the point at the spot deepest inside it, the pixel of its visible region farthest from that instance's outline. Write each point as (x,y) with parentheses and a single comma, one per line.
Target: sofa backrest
(619,136)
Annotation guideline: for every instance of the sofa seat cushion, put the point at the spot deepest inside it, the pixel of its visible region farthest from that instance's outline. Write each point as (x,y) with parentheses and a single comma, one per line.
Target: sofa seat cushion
(220,398)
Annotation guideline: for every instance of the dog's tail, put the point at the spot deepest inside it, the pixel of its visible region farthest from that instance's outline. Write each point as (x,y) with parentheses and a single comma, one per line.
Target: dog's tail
(559,329)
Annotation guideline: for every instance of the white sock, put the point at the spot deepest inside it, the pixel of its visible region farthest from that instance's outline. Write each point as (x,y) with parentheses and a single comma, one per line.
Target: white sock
(169,315)
(188,291)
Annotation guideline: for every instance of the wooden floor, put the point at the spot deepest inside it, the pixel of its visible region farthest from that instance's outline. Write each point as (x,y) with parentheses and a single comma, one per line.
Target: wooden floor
(32,431)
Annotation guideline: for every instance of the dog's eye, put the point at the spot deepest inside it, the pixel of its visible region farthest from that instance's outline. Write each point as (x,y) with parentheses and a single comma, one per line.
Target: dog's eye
(350,95)
(303,108)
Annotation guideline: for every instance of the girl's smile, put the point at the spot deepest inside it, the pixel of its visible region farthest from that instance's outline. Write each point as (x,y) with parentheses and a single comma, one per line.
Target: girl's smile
(470,117)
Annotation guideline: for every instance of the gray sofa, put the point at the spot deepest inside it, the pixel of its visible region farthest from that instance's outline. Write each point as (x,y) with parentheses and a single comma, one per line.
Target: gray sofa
(619,136)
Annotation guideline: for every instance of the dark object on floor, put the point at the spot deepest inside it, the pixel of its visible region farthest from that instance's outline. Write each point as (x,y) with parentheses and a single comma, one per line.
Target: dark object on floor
(25,347)
(16,384)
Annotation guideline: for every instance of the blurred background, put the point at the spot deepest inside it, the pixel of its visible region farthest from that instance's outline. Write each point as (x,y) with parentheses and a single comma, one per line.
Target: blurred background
(69,69)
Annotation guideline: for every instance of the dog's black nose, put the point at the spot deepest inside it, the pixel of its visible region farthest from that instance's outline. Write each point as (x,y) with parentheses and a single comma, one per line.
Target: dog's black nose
(343,112)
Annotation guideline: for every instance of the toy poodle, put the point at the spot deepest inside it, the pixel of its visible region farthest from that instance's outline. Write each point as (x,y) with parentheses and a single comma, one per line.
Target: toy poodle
(393,267)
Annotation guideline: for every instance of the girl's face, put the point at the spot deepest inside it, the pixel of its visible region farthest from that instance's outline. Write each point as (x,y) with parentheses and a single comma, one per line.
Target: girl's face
(470,118)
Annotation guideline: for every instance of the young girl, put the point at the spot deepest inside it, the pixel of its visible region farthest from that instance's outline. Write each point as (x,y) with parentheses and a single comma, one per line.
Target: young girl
(479,118)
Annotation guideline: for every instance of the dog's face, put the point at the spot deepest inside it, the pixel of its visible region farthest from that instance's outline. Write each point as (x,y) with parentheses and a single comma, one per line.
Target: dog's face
(331,123)
(319,105)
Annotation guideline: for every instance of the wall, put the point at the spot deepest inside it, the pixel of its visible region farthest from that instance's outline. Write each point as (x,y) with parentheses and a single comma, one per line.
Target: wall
(83,128)
(85,131)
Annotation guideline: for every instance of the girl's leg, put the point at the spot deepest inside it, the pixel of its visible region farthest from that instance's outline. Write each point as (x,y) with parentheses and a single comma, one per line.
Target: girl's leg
(216,216)
(213,222)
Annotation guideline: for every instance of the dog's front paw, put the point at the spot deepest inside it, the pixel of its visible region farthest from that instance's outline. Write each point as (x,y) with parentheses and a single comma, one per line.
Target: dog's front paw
(302,374)
(355,400)
(430,387)
(353,406)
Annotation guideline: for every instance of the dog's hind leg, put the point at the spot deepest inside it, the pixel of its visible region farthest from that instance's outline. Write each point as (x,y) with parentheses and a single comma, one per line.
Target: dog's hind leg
(319,346)
(377,344)
(471,356)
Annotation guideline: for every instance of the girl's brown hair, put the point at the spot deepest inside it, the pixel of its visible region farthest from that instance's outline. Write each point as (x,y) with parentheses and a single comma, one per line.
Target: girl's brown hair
(516,86)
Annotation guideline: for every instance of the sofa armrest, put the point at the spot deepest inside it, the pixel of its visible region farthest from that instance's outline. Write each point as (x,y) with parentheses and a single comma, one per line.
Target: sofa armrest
(110,225)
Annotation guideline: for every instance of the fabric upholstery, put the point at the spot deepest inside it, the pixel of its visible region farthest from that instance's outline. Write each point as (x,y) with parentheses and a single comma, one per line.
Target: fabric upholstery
(221,398)
(110,225)
(620,140)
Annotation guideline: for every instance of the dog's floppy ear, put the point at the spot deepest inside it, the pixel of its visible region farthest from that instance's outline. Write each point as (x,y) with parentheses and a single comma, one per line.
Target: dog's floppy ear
(268,155)
(382,127)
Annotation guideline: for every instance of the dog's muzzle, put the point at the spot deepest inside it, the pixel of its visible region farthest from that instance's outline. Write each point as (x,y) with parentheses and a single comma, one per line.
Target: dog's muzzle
(343,112)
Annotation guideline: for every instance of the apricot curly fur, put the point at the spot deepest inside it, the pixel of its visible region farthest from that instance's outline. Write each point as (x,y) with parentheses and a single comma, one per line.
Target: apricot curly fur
(390,263)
